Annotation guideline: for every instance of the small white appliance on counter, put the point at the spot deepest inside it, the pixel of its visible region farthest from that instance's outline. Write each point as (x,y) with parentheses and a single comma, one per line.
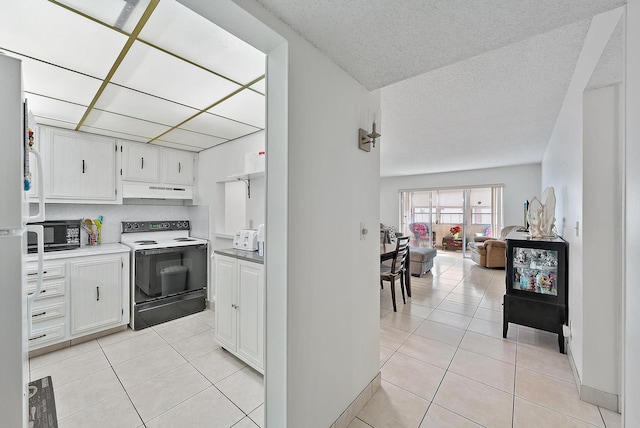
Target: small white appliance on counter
(246,239)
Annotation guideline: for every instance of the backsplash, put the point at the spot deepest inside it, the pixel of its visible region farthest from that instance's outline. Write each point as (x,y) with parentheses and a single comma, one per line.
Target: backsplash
(115,214)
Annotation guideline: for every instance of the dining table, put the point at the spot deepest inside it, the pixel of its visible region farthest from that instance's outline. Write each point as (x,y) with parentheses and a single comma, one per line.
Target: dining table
(387,252)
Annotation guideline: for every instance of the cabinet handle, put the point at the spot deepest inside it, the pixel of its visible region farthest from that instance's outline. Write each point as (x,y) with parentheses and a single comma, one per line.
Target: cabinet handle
(38,337)
(98,293)
(83,166)
(44,272)
(38,315)
(179,168)
(142,163)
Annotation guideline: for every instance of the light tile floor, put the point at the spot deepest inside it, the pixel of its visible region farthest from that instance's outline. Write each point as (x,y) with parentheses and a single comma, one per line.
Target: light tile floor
(170,375)
(443,360)
(445,364)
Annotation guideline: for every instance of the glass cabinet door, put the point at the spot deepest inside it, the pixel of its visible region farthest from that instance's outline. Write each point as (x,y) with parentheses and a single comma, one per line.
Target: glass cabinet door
(535,270)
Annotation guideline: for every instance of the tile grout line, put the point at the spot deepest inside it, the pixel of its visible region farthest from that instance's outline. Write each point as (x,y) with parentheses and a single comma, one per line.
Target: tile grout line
(144,424)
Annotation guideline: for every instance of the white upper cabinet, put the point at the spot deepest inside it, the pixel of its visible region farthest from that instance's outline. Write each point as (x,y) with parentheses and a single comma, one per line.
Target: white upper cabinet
(140,162)
(177,167)
(81,166)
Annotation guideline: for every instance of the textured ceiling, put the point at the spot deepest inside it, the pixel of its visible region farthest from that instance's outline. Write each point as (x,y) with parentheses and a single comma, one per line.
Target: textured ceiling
(491,110)
(464,84)
(380,42)
(143,70)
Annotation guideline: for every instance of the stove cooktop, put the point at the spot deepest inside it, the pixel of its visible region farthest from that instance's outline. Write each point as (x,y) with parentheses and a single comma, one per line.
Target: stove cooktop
(158,234)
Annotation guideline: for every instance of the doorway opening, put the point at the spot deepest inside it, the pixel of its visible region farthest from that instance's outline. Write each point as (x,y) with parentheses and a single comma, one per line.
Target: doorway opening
(450,218)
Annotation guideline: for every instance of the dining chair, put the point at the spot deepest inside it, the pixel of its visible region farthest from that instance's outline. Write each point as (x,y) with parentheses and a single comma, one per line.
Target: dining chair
(396,269)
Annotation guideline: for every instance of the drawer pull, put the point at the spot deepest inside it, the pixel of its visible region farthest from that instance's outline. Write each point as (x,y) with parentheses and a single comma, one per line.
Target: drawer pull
(44,272)
(98,293)
(39,315)
(39,337)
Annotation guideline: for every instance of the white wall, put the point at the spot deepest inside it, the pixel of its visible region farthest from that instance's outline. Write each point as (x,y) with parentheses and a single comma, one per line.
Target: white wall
(601,236)
(115,214)
(563,168)
(320,186)
(631,391)
(521,183)
(214,166)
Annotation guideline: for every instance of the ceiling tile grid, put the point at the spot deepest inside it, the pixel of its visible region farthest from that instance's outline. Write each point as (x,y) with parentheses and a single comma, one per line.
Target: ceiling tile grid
(180,65)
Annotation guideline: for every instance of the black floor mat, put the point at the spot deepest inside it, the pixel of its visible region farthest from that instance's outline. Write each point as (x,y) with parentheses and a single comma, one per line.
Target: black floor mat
(42,404)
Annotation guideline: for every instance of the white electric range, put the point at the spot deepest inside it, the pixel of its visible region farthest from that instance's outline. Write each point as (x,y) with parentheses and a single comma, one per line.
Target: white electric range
(168,271)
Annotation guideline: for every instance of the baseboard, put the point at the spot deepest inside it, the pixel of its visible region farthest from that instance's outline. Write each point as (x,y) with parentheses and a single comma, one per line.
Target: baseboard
(592,395)
(358,404)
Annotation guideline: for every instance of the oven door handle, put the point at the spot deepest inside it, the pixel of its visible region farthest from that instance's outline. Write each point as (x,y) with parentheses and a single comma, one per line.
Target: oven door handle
(171,250)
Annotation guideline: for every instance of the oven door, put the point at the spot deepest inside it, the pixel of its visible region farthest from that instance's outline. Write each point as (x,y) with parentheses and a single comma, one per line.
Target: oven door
(170,271)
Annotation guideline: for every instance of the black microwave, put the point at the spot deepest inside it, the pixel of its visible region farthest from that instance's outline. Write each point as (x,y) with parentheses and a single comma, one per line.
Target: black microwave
(58,235)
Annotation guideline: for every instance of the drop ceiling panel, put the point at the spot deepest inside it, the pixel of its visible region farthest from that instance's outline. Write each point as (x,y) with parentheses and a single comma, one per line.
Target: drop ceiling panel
(43,30)
(55,82)
(55,109)
(260,86)
(152,71)
(174,27)
(108,11)
(194,139)
(115,134)
(177,146)
(143,106)
(218,126)
(110,121)
(53,122)
(246,106)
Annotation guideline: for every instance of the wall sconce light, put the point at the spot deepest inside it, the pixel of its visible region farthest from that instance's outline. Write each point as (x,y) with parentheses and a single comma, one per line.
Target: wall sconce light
(365,140)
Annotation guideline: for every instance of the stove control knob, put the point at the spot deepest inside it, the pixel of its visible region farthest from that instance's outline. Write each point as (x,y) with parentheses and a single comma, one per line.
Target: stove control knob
(135,225)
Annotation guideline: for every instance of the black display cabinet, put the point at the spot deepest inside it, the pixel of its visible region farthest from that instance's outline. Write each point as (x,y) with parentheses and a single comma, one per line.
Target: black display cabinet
(537,293)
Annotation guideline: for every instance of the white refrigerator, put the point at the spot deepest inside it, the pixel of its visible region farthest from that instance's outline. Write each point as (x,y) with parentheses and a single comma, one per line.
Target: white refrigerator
(14,211)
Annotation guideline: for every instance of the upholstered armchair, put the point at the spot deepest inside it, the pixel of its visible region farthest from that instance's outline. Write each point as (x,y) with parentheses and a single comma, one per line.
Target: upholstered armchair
(491,253)
(421,234)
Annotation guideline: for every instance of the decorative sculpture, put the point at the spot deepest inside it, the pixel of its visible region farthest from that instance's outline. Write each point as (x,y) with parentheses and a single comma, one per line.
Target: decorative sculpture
(541,216)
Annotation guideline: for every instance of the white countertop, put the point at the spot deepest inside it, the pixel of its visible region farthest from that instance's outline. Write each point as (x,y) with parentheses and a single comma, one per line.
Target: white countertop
(94,250)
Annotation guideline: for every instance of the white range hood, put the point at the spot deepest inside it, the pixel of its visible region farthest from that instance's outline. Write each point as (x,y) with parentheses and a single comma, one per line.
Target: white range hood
(156,191)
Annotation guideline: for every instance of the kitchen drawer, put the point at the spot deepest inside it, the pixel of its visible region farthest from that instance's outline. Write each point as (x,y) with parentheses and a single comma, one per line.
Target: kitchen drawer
(49,271)
(49,288)
(46,336)
(44,313)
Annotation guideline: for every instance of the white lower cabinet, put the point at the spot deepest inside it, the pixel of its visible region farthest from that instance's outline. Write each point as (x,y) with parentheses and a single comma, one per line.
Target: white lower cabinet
(96,293)
(239,286)
(79,296)
(48,313)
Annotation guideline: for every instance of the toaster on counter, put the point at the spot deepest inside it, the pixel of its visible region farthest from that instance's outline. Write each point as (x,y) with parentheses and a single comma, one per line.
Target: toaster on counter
(246,239)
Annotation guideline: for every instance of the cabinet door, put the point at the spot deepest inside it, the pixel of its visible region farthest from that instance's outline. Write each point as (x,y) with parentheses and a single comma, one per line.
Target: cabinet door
(226,313)
(96,293)
(140,162)
(251,312)
(81,166)
(177,167)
